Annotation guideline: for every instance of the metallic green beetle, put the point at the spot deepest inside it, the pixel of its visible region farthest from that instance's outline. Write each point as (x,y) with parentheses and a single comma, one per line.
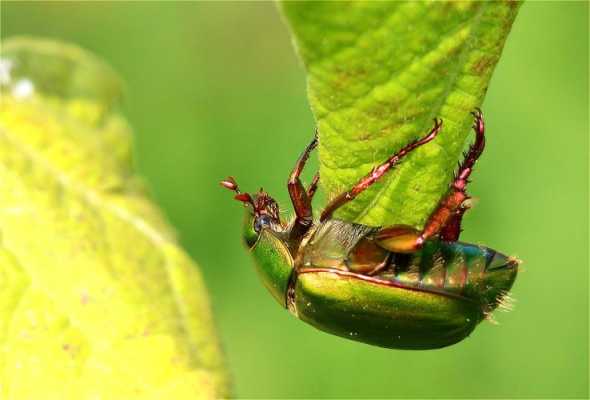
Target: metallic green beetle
(392,286)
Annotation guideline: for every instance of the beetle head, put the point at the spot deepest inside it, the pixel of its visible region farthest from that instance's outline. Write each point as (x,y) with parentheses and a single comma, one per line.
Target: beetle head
(262,212)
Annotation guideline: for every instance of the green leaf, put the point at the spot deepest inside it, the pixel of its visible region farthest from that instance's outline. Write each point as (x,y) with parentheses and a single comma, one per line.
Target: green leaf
(96,298)
(378,73)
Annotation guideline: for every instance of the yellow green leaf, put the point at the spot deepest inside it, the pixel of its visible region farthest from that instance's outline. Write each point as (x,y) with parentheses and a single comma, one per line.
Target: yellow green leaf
(379,72)
(97,299)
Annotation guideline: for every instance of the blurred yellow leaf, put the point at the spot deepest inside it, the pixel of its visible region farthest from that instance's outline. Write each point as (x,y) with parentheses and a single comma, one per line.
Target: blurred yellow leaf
(97,301)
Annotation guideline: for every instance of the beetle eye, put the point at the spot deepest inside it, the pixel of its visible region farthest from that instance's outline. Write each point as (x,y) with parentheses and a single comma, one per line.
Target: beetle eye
(261,222)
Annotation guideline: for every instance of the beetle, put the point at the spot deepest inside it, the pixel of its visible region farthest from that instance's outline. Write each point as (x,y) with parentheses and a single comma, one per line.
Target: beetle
(391,286)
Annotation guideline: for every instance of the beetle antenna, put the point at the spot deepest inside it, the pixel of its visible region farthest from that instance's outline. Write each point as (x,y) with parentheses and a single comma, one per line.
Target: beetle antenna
(231,184)
(246,199)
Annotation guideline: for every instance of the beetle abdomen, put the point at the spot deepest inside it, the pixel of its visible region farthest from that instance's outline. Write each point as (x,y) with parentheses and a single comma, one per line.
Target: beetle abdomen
(475,272)
(428,299)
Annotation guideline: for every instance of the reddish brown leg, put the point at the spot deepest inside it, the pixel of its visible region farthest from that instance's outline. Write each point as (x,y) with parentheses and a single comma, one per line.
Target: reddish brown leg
(300,197)
(378,172)
(313,186)
(446,219)
(451,231)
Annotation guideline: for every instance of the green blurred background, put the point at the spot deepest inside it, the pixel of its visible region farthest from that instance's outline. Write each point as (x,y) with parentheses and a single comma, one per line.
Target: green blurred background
(215,89)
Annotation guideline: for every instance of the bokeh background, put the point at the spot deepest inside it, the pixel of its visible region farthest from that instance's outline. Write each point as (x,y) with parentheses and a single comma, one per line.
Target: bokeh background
(215,89)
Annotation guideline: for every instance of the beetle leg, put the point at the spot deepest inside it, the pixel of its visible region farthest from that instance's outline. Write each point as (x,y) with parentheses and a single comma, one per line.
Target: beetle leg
(313,186)
(300,197)
(399,238)
(446,219)
(378,172)
(451,231)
